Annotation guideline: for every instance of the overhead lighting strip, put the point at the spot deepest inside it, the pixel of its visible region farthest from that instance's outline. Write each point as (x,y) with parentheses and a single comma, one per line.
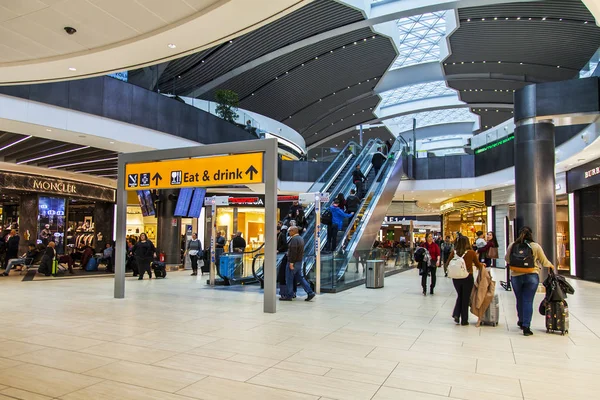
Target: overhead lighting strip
(83,162)
(14,143)
(53,155)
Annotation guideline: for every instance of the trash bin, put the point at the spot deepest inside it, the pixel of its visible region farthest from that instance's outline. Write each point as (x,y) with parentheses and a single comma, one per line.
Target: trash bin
(375,274)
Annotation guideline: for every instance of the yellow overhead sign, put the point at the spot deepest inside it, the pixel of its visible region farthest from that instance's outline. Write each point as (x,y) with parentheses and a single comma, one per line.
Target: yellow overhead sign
(195,172)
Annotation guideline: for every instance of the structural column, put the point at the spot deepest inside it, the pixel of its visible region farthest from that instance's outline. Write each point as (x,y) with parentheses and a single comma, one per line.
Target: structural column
(535,183)
(169,230)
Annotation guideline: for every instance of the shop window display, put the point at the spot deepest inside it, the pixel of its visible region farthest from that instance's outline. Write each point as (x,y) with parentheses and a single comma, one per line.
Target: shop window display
(51,221)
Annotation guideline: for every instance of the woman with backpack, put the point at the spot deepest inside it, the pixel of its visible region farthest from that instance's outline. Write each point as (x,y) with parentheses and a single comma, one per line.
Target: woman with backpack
(525,257)
(460,269)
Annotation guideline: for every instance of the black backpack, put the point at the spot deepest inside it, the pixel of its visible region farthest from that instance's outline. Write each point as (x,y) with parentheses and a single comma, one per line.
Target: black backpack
(327,217)
(521,256)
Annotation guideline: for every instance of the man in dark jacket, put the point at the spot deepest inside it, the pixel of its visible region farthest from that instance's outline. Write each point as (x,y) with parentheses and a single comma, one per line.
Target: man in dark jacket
(293,271)
(239,244)
(377,161)
(282,245)
(352,202)
(294,208)
(358,179)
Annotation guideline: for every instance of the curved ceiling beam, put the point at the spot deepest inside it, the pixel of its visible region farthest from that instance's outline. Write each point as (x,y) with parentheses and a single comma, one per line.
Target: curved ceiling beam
(377,16)
(129,44)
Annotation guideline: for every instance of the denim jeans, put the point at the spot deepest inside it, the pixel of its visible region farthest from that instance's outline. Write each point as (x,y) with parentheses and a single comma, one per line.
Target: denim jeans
(13,262)
(525,287)
(295,275)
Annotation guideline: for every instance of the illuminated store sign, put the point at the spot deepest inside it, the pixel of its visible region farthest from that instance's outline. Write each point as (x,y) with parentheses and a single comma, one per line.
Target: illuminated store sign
(446,206)
(59,187)
(42,184)
(592,172)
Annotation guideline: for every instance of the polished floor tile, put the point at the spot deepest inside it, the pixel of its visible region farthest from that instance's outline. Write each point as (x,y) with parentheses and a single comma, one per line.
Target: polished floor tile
(43,380)
(213,388)
(63,359)
(179,339)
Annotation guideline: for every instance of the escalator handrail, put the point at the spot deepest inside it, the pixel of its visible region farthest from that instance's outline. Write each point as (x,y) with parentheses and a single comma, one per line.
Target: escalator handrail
(340,158)
(259,248)
(256,276)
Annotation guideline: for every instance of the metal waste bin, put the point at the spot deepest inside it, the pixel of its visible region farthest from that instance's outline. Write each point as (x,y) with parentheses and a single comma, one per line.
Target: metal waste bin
(375,274)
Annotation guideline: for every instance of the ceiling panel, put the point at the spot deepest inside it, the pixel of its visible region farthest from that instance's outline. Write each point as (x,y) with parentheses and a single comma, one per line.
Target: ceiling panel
(17,148)
(507,46)
(314,18)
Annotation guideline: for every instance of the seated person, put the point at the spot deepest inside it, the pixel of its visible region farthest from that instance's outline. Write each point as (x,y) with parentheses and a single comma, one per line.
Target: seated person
(47,259)
(67,259)
(28,258)
(86,255)
(107,255)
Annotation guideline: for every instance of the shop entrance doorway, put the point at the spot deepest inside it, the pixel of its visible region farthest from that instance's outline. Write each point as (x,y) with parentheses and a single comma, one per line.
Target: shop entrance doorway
(219,165)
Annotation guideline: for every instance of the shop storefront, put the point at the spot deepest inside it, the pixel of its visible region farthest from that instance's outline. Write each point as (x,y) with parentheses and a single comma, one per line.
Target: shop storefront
(409,229)
(45,209)
(243,214)
(504,214)
(141,216)
(583,184)
(465,214)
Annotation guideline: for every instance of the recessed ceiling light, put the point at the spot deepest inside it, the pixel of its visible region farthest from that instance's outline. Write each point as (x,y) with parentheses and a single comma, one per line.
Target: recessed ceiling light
(48,130)
(72,69)
(81,136)
(111,142)
(171,45)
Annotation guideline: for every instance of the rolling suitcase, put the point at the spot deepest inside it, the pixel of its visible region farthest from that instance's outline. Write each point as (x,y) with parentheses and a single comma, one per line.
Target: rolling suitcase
(557,317)
(492,314)
(160,269)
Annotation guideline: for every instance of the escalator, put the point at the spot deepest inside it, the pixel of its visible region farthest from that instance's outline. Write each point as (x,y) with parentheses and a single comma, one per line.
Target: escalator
(248,267)
(355,247)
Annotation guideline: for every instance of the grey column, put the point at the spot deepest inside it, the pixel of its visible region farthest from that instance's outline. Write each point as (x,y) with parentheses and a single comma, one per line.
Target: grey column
(535,183)
(169,230)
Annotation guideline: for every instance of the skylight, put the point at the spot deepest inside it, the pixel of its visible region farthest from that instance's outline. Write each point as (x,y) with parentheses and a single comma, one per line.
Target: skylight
(437,117)
(420,37)
(420,91)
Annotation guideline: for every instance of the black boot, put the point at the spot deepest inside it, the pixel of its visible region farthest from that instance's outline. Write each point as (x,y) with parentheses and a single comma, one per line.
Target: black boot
(430,290)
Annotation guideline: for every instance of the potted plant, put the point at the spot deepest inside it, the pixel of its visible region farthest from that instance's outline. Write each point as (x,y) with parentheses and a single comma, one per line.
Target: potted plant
(227,104)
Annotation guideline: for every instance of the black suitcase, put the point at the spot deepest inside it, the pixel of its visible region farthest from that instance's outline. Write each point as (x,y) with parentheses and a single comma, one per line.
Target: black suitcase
(160,269)
(557,317)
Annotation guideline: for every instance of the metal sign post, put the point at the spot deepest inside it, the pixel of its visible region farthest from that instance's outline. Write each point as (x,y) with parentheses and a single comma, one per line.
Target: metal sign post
(317,198)
(213,202)
(213,241)
(318,243)
(223,164)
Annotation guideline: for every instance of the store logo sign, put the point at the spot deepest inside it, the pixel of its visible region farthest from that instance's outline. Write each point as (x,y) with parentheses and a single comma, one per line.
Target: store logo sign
(59,187)
(592,172)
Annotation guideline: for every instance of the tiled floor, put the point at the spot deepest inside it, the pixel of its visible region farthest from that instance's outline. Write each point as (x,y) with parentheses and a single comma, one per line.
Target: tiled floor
(176,339)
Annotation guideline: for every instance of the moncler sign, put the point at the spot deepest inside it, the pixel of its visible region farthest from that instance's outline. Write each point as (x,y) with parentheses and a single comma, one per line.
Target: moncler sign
(59,187)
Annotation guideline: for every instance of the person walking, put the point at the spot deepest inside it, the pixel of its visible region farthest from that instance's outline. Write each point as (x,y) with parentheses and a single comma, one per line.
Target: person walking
(525,259)
(358,178)
(293,272)
(12,246)
(282,239)
(434,262)
(377,160)
(337,223)
(300,219)
(490,250)
(463,286)
(446,248)
(193,249)
(144,252)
